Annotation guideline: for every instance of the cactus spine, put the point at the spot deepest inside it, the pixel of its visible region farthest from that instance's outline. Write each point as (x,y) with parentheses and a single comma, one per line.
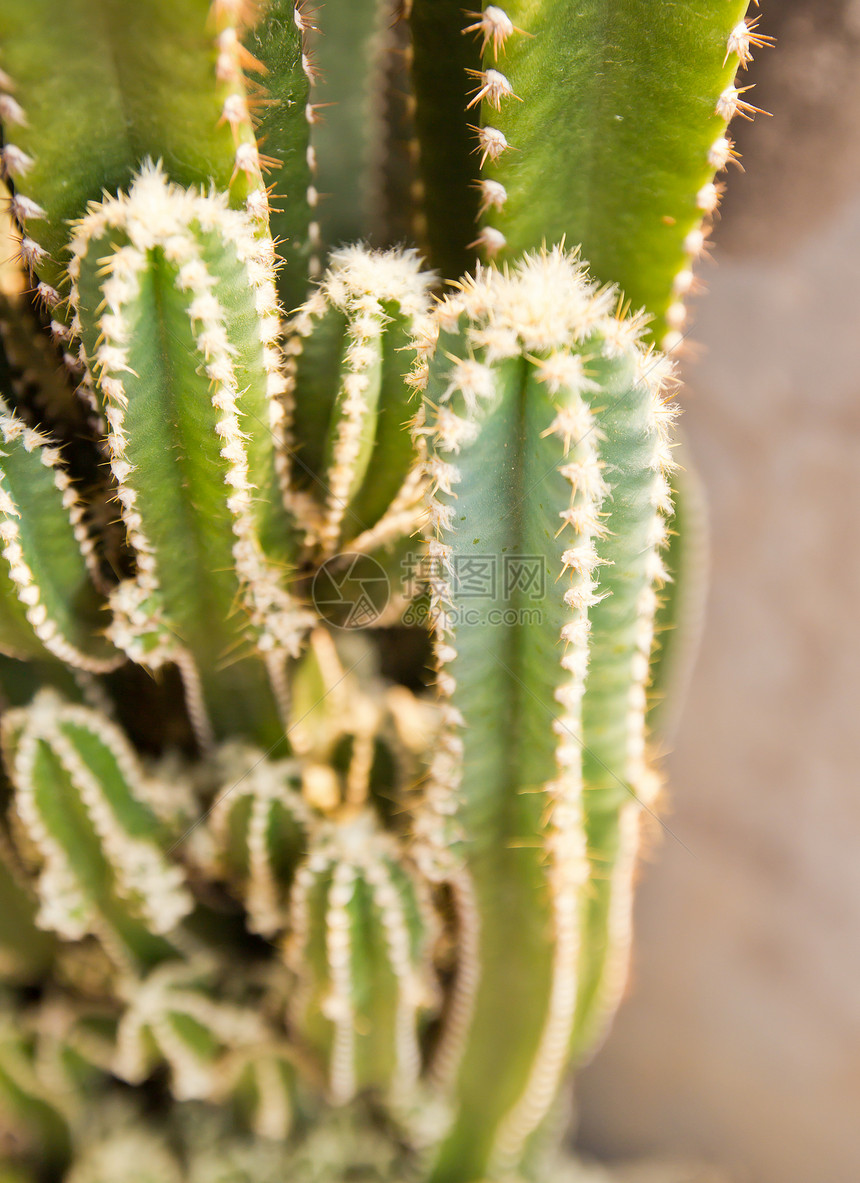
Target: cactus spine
(349,928)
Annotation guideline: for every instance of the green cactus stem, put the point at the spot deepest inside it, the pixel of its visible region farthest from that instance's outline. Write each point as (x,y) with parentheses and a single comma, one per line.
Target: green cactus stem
(172,1017)
(447,172)
(536,382)
(280,99)
(261,826)
(48,603)
(343,50)
(178,314)
(362,932)
(350,353)
(88,815)
(162,81)
(640,126)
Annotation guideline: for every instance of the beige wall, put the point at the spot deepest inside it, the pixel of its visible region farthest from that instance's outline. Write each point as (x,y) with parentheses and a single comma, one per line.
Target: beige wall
(740,1038)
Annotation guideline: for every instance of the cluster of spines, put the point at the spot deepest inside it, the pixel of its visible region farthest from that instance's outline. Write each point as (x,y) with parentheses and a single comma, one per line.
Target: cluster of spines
(101,779)
(361,925)
(30,355)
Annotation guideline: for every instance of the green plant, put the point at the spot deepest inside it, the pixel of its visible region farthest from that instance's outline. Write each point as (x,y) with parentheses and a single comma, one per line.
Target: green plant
(322,922)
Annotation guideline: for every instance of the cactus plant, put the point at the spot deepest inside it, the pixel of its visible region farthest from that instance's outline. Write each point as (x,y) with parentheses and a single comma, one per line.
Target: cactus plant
(334,539)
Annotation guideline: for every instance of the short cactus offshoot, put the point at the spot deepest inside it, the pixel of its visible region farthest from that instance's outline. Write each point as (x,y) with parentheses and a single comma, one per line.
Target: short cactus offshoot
(268,907)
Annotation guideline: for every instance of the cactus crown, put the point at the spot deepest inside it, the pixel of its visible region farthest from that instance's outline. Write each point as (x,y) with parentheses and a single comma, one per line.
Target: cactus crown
(330,915)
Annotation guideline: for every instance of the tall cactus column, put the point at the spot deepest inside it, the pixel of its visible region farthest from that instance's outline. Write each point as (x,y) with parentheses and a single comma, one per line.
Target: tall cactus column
(546,432)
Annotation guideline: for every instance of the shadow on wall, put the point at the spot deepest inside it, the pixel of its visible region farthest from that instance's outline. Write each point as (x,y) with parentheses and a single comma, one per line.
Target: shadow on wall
(739,1041)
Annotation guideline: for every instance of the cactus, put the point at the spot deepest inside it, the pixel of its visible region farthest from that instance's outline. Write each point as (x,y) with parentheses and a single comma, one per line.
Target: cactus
(273,905)
(83,807)
(360,943)
(261,825)
(550,380)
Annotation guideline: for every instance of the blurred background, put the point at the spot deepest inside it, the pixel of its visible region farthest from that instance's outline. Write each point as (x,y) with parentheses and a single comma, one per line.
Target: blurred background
(739,1041)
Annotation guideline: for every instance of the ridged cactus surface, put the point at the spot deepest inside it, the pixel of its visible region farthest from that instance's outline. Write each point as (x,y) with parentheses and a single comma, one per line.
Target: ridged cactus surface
(337,538)
(361,935)
(87,815)
(558,397)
